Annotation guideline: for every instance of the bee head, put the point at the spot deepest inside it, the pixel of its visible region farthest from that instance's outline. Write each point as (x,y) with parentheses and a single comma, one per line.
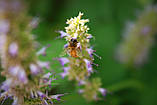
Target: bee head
(74,40)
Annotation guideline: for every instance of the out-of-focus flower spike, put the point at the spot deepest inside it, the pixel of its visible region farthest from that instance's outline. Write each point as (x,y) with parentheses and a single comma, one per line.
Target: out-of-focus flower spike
(138,38)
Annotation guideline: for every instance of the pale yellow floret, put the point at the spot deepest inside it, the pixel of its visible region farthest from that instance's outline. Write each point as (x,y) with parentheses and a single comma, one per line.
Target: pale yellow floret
(76,27)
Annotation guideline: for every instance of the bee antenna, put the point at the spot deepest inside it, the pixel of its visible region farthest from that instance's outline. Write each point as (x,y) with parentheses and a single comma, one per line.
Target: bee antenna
(95,64)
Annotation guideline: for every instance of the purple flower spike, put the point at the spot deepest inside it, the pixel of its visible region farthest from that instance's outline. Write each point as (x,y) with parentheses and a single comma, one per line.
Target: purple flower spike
(88,65)
(145,30)
(34,69)
(63,34)
(6,84)
(4,27)
(63,61)
(22,76)
(57,97)
(103,91)
(44,64)
(13,49)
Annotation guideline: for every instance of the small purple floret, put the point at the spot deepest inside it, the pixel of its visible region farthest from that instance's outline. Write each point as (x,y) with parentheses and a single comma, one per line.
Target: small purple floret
(90,51)
(22,76)
(103,91)
(41,94)
(34,23)
(81,83)
(34,69)
(66,45)
(13,70)
(57,97)
(80,91)
(63,61)
(63,34)
(145,30)
(44,64)
(13,49)
(89,37)
(47,75)
(6,84)
(45,102)
(88,65)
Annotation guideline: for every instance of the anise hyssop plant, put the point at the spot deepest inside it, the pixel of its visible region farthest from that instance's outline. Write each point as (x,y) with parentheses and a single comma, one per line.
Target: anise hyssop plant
(78,66)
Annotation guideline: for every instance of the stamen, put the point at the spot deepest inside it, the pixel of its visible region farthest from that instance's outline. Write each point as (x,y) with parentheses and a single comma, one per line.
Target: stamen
(97,55)
(95,64)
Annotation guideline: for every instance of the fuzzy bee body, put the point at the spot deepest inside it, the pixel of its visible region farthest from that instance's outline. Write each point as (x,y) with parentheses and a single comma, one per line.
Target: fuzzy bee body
(72,48)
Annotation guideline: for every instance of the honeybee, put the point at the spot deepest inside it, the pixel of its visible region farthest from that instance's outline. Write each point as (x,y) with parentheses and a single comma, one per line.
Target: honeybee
(73,48)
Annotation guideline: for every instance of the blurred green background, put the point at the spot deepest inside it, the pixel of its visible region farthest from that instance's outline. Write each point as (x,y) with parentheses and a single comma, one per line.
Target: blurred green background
(127,85)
